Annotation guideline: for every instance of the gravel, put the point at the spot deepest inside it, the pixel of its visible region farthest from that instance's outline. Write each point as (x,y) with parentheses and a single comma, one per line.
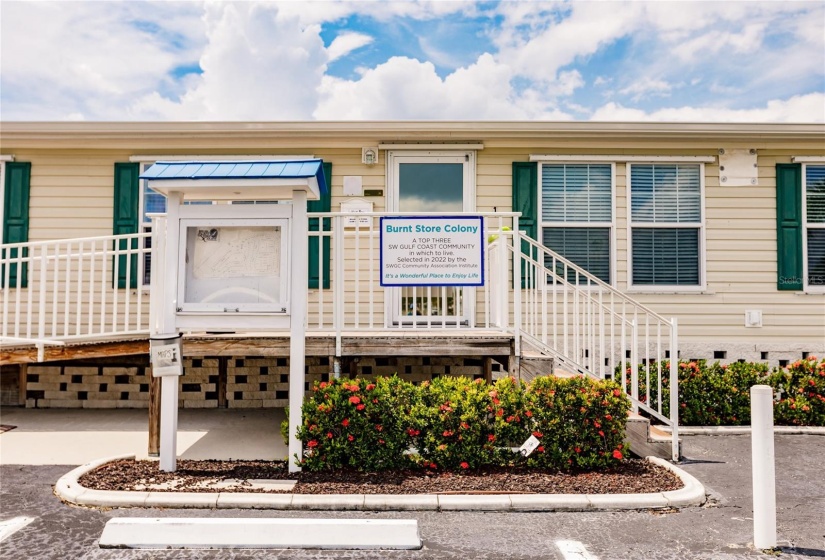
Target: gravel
(631,476)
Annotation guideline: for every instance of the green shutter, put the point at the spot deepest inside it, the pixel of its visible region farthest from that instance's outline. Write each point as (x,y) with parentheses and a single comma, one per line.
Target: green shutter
(127,217)
(16,216)
(525,200)
(317,261)
(789,226)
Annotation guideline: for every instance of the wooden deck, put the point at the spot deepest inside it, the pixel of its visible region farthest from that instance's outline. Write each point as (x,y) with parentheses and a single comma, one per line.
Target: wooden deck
(418,342)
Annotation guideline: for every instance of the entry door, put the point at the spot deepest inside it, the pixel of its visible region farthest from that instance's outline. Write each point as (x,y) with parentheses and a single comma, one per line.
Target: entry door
(425,182)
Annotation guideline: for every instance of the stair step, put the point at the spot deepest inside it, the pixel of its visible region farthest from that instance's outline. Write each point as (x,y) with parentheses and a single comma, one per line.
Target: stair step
(646,440)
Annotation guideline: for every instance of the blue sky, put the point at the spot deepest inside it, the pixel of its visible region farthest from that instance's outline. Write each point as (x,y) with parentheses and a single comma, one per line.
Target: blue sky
(385,60)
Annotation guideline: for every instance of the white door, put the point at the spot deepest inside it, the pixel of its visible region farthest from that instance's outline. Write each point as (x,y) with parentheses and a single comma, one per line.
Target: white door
(425,182)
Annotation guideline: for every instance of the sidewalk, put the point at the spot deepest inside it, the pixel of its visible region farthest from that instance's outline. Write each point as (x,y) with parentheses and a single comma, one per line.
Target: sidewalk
(78,436)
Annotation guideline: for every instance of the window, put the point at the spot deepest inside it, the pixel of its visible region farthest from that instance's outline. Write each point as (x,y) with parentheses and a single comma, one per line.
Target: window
(666,236)
(576,213)
(814,224)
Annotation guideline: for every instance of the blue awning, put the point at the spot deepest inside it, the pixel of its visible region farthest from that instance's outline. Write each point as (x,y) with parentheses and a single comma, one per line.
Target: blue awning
(238,170)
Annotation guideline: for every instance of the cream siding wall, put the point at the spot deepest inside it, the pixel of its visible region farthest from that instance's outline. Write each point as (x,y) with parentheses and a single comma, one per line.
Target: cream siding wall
(71,196)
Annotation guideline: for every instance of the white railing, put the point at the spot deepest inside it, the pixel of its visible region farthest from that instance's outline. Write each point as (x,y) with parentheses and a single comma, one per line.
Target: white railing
(594,329)
(354,300)
(73,289)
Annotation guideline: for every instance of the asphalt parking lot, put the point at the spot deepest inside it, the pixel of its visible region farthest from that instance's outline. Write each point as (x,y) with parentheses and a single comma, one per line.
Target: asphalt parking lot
(722,529)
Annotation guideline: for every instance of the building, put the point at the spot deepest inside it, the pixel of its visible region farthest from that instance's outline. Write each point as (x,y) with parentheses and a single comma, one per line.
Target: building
(720,226)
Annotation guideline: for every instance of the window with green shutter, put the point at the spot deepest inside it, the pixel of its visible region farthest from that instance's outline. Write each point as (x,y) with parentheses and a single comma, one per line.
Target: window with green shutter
(319,260)
(126,220)
(577,215)
(789,226)
(16,219)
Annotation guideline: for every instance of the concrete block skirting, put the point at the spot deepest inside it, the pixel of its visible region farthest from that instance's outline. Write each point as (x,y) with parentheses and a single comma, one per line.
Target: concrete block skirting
(693,494)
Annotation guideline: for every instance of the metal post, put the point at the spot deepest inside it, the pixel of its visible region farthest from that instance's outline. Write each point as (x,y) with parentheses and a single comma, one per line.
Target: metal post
(764,475)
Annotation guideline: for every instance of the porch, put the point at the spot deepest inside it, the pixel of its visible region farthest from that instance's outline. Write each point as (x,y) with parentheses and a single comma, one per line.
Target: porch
(86,298)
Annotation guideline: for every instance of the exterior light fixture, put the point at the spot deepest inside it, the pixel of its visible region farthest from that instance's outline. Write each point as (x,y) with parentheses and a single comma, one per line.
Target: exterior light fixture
(369,156)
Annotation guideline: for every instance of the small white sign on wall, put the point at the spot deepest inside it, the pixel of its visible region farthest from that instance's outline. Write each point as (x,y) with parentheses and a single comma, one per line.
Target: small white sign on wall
(356,206)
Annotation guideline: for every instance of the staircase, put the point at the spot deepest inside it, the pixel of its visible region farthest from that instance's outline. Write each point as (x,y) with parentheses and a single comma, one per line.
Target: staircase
(569,321)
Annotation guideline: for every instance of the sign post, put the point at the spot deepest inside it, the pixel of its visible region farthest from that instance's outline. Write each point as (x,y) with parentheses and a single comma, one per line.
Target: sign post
(167,363)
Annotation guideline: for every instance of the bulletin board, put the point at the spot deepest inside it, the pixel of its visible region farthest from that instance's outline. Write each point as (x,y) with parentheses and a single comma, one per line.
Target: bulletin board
(234,266)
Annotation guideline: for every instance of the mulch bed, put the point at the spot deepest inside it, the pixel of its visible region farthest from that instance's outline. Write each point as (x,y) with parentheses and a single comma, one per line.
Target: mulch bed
(631,476)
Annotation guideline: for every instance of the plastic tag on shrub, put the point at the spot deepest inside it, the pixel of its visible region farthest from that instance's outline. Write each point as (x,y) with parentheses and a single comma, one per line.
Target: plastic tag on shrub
(528,446)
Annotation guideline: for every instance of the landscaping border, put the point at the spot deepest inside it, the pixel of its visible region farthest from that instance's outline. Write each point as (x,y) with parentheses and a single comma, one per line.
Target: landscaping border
(69,490)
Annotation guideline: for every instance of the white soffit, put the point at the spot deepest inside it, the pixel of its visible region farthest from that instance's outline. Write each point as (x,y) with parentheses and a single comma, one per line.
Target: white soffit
(621,158)
(152,159)
(6,157)
(424,146)
(808,159)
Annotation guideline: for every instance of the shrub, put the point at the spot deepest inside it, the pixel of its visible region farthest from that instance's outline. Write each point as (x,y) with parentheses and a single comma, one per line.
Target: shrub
(714,394)
(456,423)
(801,391)
(359,424)
(580,422)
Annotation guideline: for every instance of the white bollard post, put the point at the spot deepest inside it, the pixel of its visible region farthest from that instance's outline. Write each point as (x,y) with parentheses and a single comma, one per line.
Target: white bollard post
(764,469)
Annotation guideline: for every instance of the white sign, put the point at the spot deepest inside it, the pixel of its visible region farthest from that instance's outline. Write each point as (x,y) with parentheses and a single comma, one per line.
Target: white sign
(357,206)
(166,358)
(529,446)
(432,251)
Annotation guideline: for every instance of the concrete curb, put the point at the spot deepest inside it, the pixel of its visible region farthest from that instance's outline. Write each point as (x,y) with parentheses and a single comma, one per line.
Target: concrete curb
(69,490)
(743,430)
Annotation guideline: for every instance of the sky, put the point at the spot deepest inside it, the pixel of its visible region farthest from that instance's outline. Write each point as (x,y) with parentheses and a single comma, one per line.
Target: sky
(304,60)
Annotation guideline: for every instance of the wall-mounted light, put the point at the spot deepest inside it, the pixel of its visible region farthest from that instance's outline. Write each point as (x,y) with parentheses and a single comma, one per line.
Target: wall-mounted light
(369,156)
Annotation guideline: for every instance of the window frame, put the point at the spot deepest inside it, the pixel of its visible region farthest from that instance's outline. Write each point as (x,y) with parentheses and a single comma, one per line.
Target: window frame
(611,225)
(806,287)
(701,225)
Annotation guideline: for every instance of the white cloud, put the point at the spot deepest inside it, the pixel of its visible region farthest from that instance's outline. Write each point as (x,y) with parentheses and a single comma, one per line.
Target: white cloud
(70,59)
(809,108)
(345,43)
(278,79)
(647,87)
(403,88)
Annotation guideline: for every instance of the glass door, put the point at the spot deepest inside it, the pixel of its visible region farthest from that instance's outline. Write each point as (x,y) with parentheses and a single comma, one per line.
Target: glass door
(426,182)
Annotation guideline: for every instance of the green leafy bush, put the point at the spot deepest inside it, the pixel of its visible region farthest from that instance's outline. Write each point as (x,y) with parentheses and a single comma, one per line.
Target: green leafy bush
(801,390)
(455,423)
(719,394)
(360,424)
(580,422)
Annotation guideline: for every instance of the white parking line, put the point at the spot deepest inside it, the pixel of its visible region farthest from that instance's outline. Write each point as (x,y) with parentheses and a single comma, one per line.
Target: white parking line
(11,526)
(574,550)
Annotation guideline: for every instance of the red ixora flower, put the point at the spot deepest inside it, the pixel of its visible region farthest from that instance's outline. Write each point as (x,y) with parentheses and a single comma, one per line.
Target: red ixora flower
(413,432)
(350,438)
(371,386)
(354,400)
(464,465)
(329,435)
(538,434)
(360,407)
(617,392)
(491,437)
(447,433)
(312,443)
(617,455)
(345,422)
